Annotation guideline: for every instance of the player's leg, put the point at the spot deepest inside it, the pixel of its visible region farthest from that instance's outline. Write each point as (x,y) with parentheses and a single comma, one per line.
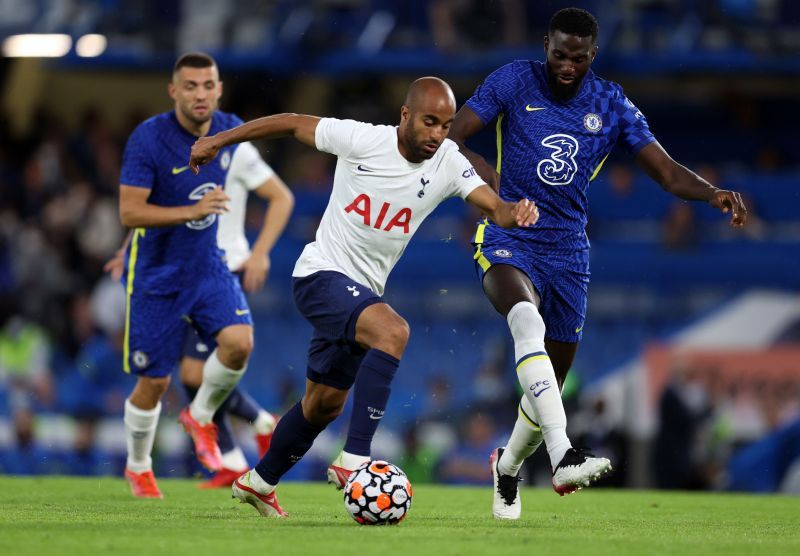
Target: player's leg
(293,437)
(234,462)
(562,354)
(220,314)
(151,359)
(513,295)
(384,334)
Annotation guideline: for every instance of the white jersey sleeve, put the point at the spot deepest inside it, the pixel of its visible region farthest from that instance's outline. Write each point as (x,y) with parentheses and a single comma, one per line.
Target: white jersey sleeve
(247,172)
(463,177)
(343,138)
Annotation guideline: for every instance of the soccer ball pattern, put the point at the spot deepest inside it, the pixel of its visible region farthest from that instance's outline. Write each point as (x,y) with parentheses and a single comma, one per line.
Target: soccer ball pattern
(377,493)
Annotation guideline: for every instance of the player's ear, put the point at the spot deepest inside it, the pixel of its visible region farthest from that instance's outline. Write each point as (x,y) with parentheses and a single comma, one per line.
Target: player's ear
(546,43)
(404,112)
(171,90)
(594,53)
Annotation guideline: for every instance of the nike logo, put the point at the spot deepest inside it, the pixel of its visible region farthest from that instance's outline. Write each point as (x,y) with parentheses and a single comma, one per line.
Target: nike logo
(362,169)
(539,387)
(240,312)
(577,330)
(530,108)
(176,171)
(375,417)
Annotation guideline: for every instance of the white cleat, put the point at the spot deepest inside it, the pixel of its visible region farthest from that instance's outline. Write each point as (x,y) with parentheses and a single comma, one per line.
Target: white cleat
(266,504)
(577,469)
(506,503)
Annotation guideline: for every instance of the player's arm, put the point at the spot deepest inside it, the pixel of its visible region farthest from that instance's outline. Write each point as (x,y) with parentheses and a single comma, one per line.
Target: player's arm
(682,182)
(466,124)
(281,204)
(299,126)
(503,213)
(136,212)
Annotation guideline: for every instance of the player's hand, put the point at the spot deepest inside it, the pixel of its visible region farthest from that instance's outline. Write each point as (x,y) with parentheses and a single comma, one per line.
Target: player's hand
(204,151)
(730,201)
(525,213)
(215,201)
(115,265)
(255,269)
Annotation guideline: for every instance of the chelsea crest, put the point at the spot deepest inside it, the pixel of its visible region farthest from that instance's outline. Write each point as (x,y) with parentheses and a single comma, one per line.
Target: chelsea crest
(592,122)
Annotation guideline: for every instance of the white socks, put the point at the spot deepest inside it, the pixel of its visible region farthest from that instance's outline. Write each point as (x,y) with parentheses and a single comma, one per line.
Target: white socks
(264,423)
(525,439)
(234,460)
(538,379)
(350,461)
(218,381)
(140,432)
(257,483)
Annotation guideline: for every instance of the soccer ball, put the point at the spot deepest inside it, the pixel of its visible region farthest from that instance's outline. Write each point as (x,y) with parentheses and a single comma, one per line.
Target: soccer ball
(377,493)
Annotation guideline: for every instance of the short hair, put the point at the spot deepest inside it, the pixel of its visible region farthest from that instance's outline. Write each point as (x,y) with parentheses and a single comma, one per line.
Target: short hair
(194,60)
(574,21)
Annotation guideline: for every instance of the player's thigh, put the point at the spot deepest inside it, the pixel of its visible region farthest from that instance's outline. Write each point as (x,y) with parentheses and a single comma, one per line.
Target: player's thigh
(219,304)
(507,285)
(332,303)
(153,334)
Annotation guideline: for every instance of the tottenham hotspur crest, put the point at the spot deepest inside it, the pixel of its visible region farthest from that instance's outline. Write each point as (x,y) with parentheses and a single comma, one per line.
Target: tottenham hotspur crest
(592,122)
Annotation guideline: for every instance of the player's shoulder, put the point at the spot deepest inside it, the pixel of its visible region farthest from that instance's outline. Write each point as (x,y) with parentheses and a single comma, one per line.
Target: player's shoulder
(611,89)
(154,125)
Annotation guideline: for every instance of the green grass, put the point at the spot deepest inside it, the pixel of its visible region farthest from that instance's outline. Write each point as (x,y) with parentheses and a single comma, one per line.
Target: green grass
(65,516)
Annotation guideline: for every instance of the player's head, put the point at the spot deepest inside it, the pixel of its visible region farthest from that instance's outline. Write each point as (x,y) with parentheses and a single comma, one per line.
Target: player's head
(425,118)
(570,46)
(195,87)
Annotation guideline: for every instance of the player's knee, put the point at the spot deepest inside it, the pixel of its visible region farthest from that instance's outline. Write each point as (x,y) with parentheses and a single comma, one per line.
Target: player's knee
(394,336)
(526,323)
(235,350)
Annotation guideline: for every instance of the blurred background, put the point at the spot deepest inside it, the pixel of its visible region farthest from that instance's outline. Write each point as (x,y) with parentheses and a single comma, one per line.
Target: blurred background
(688,375)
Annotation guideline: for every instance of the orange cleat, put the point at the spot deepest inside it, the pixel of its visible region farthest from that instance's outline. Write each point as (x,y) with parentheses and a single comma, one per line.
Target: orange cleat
(205,440)
(143,485)
(263,441)
(222,478)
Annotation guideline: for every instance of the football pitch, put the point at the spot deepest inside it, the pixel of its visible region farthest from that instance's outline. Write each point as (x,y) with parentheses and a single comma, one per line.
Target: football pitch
(66,516)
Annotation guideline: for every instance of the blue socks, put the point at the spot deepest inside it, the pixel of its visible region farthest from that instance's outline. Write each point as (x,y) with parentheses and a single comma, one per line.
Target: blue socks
(240,404)
(370,394)
(291,440)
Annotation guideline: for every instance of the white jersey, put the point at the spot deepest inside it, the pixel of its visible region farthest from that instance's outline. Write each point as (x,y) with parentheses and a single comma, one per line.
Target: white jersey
(378,201)
(247,172)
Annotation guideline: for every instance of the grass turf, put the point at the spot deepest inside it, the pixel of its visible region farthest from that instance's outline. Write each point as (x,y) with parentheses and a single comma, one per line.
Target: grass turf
(67,515)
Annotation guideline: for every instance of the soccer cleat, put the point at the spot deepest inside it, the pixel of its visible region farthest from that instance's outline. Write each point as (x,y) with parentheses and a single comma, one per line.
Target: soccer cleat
(506,503)
(205,440)
(143,485)
(263,441)
(222,478)
(337,476)
(577,469)
(266,504)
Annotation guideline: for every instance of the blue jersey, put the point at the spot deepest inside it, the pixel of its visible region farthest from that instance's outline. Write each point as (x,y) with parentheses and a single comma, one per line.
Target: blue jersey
(165,259)
(549,151)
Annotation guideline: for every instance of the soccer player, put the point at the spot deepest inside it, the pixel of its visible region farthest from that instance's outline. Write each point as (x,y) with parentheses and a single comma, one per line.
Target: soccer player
(247,172)
(175,272)
(387,181)
(557,123)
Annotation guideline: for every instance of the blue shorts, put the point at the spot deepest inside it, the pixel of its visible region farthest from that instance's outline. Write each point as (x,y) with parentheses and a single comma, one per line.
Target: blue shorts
(332,303)
(156,324)
(193,345)
(560,278)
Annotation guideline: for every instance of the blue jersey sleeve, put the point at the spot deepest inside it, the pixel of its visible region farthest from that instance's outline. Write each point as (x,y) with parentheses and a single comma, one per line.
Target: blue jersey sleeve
(138,167)
(634,132)
(490,97)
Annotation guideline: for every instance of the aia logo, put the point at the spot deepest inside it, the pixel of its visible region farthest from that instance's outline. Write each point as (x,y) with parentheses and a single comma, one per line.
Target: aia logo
(362,205)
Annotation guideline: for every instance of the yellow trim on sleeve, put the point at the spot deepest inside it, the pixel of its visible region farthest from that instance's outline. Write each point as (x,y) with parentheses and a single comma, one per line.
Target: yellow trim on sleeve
(499,133)
(137,233)
(599,166)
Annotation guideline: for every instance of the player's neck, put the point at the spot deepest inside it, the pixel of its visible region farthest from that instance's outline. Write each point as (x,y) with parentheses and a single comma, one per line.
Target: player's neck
(198,130)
